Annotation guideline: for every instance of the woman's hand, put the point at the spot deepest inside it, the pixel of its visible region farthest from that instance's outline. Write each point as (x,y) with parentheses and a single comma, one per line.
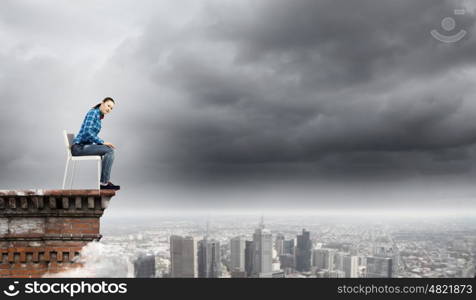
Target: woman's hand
(110,145)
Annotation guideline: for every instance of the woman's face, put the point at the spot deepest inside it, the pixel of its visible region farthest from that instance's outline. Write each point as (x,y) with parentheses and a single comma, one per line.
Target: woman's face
(106,107)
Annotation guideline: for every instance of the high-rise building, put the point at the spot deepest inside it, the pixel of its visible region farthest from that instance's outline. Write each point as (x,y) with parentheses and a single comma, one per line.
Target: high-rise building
(339,260)
(288,246)
(287,262)
(249,257)
(324,258)
(351,266)
(237,253)
(283,246)
(303,252)
(379,267)
(183,257)
(388,250)
(144,266)
(382,250)
(209,257)
(209,264)
(279,244)
(263,250)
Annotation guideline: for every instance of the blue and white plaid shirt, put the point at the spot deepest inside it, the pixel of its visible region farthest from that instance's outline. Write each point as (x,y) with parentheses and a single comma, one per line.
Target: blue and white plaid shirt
(88,134)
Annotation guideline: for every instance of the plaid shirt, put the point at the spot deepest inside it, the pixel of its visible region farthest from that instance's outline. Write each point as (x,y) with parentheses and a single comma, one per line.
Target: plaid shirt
(88,134)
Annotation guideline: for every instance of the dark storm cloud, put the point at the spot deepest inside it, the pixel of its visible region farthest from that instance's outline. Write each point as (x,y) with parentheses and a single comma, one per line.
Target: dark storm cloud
(350,41)
(277,83)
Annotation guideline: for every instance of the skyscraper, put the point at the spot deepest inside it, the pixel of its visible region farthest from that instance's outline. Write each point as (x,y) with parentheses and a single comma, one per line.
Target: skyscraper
(379,267)
(324,259)
(287,262)
(237,253)
(303,252)
(144,266)
(351,266)
(283,246)
(249,257)
(388,250)
(263,250)
(288,246)
(339,260)
(209,258)
(279,244)
(183,256)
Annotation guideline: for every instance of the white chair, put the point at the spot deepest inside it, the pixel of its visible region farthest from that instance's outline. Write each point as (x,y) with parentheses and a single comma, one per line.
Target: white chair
(68,140)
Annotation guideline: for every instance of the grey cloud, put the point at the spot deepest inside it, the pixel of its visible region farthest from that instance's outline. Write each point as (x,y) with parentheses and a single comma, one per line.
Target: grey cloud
(290,82)
(328,41)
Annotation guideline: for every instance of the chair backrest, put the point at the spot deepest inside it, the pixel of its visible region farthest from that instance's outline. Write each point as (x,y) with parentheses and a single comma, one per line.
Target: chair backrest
(68,141)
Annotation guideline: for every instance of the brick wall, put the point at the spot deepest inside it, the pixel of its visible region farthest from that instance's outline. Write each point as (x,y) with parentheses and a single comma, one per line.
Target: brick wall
(43,231)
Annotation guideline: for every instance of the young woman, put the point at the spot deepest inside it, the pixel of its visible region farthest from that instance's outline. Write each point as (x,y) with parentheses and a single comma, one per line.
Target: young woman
(87,141)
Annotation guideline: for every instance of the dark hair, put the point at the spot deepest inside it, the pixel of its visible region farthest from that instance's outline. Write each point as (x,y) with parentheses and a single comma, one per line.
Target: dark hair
(104,100)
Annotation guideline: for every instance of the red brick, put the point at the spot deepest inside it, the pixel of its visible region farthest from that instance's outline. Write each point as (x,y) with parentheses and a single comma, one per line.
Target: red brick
(38,272)
(46,256)
(5,272)
(20,272)
(81,226)
(76,265)
(84,220)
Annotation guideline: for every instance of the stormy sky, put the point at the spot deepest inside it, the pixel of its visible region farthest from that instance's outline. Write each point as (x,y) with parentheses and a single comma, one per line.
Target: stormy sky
(244,104)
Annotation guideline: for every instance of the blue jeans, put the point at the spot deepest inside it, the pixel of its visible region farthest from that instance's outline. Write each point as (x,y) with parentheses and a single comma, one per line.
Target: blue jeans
(107,154)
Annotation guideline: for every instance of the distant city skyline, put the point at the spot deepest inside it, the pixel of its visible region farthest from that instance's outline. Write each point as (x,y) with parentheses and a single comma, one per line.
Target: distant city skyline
(434,247)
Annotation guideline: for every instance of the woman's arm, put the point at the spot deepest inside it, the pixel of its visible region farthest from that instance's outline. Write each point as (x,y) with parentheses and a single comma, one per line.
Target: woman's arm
(92,124)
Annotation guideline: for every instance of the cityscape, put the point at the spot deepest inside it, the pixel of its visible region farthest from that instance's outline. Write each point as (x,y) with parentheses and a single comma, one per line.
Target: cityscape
(231,246)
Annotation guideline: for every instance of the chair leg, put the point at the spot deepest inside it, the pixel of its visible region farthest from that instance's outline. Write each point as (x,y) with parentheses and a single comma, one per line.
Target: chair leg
(99,175)
(65,172)
(72,176)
